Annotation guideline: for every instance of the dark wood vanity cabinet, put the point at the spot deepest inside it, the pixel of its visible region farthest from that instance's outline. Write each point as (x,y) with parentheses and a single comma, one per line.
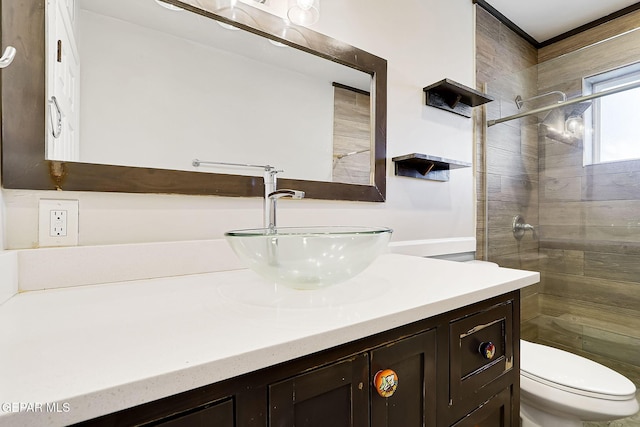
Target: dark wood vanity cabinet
(496,412)
(343,394)
(336,395)
(457,369)
(413,403)
(218,414)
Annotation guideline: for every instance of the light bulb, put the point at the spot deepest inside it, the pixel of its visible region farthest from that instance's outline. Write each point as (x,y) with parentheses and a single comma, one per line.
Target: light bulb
(304,12)
(305,4)
(169,6)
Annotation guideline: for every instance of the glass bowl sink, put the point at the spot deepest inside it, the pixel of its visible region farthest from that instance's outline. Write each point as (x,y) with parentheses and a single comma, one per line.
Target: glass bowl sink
(309,257)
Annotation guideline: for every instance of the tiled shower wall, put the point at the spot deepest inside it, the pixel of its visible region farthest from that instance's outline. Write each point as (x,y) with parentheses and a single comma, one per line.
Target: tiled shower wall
(589,228)
(587,246)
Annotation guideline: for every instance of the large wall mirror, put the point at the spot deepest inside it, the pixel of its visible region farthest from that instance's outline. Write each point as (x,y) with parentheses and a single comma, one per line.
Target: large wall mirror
(133,91)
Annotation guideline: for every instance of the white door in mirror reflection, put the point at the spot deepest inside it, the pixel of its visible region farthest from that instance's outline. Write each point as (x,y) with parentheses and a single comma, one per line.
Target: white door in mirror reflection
(62,82)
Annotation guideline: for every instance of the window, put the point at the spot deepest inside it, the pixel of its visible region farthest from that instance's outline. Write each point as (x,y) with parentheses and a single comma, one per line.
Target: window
(614,119)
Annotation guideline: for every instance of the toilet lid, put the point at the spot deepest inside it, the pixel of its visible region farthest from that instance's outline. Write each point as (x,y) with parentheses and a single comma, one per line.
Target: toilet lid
(573,373)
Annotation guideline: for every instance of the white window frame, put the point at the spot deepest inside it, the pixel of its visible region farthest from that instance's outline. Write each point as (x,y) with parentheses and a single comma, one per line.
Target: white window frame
(597,83)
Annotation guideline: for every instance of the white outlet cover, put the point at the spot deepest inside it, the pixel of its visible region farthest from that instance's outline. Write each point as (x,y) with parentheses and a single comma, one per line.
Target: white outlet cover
(46,206)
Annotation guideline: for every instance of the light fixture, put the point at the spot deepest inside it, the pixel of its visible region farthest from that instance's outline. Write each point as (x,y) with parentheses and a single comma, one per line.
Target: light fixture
(277,44)
(227,26)
(304,12)
(235,13)
(169,6)
(292,34)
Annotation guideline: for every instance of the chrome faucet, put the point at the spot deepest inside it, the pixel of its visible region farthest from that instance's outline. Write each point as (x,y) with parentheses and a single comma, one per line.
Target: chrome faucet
(272,199)
(271,192)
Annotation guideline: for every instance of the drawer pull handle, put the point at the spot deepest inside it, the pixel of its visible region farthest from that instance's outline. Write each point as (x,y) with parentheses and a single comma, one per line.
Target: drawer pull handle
(487,350)
(385,382)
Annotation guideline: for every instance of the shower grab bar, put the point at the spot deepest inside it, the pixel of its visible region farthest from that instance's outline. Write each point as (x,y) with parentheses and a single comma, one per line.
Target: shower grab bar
(197,163)
(352,153)
(338,157)
(520,101)
(569,102)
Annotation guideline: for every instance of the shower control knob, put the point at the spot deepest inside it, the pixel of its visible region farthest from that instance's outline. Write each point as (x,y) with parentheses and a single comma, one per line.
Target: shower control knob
(487,350)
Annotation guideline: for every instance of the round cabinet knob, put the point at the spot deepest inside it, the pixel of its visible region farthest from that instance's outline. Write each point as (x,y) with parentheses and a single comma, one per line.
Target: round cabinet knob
(385,382)
(487,350)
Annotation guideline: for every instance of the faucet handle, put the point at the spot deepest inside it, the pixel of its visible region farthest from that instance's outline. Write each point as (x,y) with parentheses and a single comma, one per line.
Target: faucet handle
(271,170)
(294,194)
(270,179)
(519,227)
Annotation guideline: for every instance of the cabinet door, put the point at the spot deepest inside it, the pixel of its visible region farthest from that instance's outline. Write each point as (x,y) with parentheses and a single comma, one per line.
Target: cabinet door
(217,414)
(494,413)
(413,404)
(336,395)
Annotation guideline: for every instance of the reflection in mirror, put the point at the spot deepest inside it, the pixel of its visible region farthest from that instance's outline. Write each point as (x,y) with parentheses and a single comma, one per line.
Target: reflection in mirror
(31,112)
(351,135)
(157,88)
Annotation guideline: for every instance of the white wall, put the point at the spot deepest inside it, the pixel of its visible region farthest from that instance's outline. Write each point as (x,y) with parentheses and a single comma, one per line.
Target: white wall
(8,262)
(2,223)
(423,41)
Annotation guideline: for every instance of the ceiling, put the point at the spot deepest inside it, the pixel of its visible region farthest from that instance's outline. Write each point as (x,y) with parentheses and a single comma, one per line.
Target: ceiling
(545,19)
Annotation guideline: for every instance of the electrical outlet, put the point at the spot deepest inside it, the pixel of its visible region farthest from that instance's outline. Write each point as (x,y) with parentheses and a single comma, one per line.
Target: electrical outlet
(58,223)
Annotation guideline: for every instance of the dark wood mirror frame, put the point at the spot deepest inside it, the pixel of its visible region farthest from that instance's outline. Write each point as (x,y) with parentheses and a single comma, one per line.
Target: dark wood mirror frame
(22,89)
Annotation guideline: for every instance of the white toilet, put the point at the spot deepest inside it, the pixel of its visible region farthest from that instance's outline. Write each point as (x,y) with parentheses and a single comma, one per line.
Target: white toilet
(561,389)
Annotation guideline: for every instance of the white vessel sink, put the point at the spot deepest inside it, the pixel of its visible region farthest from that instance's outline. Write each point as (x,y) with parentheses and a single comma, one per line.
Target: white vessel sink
(309,257)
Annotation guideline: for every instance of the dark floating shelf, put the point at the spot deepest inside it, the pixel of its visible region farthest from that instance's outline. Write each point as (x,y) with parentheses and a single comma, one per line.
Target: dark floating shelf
(454,97)
(426,167)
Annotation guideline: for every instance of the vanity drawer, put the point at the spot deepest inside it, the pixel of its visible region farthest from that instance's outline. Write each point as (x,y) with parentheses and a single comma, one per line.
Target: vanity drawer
(496,412)
(481,350)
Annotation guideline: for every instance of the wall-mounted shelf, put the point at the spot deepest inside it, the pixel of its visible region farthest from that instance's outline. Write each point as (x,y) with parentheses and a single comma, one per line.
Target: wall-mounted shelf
(422,166)
(454,97)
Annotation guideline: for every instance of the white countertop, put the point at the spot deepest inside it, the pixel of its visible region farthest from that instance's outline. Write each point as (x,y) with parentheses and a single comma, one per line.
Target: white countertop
(72,354)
